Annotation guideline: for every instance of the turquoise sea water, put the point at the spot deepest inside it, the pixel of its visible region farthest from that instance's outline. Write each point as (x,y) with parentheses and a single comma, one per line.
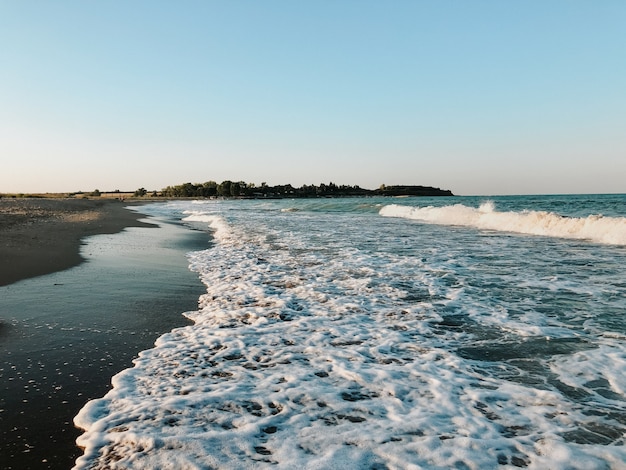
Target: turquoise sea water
(463,332)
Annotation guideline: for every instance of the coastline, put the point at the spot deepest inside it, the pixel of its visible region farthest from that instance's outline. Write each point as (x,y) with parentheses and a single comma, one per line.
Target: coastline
(63,335)
(42,236)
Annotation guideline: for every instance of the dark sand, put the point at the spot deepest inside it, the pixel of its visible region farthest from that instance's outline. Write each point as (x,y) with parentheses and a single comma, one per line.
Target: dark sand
(64,335)
(41,236)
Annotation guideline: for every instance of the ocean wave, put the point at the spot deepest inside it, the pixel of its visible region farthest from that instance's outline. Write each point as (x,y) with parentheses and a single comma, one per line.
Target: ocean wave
(597,228)
(221,229)
(320,344)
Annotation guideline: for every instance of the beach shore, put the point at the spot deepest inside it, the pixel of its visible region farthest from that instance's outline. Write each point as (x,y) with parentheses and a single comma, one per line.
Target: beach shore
(41,236)
(65,334)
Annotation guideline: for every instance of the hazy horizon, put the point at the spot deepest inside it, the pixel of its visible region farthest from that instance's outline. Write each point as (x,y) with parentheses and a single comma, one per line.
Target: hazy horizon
(481,98)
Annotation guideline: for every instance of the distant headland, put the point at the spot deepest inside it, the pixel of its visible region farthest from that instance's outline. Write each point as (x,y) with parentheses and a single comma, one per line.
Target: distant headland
(230,189)
(242,190)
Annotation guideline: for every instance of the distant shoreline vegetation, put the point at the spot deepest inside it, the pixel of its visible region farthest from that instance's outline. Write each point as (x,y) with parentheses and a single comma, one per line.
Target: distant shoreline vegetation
(240,189)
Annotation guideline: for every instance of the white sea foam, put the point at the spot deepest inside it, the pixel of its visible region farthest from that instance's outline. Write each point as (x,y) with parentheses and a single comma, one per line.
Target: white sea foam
(328,341)
(609,230)
(221,230)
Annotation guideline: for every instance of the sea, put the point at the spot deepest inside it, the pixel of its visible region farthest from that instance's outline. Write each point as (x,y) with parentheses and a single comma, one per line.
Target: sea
(384,333)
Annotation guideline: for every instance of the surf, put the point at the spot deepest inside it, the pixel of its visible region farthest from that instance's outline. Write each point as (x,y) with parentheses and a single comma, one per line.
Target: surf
(596,228)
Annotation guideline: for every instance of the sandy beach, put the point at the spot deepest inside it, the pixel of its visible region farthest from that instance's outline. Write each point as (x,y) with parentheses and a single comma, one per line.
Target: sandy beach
(40,236)
(68,326)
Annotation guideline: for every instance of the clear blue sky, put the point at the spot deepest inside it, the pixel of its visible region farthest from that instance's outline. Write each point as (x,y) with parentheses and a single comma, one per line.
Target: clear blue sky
(479,97)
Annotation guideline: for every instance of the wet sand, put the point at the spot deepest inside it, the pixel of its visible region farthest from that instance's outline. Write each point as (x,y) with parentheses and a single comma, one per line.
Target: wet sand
(41,236)
(65,334)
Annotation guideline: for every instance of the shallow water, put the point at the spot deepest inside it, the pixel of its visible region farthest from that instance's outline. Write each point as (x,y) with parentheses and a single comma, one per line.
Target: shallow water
(62,336)
(362,334)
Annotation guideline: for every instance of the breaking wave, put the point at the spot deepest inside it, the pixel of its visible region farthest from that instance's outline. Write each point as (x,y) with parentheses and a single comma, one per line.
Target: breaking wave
(597,228)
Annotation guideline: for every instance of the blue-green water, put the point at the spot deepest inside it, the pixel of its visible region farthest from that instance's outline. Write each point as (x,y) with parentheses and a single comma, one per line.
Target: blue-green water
(465,332)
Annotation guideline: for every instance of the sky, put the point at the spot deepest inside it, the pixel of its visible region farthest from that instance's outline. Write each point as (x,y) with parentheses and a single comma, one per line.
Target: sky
(479,97)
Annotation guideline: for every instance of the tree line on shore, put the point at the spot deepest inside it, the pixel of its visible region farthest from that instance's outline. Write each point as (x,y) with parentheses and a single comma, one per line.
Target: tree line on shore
(240,189)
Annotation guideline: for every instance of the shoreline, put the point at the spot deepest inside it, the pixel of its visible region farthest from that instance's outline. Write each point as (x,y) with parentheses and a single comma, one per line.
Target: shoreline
(64,335)
(43,236)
